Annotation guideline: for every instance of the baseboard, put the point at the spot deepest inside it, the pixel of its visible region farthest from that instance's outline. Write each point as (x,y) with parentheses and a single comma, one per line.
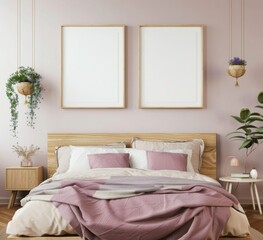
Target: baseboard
(248,200)
(5,200)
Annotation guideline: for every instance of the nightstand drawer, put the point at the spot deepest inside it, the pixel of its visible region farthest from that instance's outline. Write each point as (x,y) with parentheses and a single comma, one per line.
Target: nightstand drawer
(23,178)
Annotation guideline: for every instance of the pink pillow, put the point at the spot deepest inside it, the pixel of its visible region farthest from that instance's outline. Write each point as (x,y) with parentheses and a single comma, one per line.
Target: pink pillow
(167,161)
(109,160)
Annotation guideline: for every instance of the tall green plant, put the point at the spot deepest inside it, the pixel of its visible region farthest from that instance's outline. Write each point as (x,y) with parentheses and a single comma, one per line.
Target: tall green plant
(249,133)
(24,74)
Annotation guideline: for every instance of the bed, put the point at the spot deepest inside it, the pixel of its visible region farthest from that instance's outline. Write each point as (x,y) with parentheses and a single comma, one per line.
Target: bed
(161,182)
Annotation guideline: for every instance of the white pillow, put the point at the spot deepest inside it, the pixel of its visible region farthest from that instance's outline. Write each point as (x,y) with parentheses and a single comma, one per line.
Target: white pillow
(63,157)
(138,158)
(63,154)
(196,145)
(79,157)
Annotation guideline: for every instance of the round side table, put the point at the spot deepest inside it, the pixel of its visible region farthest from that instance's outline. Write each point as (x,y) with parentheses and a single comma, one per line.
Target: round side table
(253,187)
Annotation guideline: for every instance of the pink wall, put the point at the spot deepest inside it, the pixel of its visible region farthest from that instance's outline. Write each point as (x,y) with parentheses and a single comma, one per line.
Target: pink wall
(222,97)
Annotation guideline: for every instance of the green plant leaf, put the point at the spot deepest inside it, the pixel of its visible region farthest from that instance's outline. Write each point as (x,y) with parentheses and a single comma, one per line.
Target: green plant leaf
(253,119)
(238,119)
(237,137)
(244,113)
(246,127)
(247,131)
(257,137)
(246,144)
(260,97)
(234,133)
(259,106)
(255,114)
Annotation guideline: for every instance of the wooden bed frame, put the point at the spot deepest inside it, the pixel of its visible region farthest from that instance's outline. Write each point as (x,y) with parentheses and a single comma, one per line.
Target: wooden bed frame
(92,139)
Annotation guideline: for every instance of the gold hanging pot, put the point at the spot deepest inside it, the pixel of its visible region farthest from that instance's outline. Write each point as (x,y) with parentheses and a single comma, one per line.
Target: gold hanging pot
(236,68)
(25,88)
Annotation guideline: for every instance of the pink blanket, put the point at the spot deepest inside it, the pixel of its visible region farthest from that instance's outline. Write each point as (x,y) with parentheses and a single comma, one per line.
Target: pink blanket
(161,208)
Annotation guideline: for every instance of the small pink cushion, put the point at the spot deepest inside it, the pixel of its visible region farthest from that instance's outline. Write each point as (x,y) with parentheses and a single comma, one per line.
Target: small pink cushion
(109,160)
(167,161)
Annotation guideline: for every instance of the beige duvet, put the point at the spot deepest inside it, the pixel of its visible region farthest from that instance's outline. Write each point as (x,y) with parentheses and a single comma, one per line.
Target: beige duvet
(38,218)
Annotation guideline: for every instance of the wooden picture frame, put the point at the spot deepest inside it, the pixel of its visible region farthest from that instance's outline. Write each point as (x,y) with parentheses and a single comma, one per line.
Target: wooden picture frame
(171,66)
(93,66)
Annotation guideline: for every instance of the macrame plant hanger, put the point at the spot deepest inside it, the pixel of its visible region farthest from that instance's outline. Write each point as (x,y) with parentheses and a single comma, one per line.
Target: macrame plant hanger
(18,60)
(33,32)
(25,90)
(237,65)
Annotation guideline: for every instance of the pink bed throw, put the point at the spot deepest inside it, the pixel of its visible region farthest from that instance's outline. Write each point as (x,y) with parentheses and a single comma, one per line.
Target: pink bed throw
(145,208)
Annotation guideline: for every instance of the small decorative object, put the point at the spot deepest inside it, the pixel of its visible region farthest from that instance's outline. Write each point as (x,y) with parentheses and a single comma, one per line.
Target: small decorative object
(254,173)
(28,84)
(234,162)
(249,133)
(26,153)
(236,68)
(230,161)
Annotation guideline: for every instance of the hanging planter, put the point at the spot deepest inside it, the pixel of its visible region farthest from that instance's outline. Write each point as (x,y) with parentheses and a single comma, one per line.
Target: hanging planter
(236,68)
(27,82)
(25,88)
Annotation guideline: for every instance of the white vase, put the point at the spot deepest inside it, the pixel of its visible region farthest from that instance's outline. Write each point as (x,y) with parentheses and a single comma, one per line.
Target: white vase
(254,173)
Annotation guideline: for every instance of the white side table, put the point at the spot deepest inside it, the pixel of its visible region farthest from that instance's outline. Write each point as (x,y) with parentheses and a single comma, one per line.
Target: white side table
(253,187)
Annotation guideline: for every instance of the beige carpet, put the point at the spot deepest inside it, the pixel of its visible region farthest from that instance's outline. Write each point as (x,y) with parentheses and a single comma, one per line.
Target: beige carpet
(256,235)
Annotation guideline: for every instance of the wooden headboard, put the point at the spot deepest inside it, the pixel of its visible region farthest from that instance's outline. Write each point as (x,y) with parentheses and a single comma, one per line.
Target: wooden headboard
(92,139)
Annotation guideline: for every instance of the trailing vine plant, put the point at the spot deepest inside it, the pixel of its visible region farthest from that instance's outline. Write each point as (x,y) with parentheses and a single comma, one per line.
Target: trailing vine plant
(24,74)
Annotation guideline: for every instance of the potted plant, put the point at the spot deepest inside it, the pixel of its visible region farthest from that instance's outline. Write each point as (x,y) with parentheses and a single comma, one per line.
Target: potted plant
(27,82)
(237,68)
(248,133)
(26,153)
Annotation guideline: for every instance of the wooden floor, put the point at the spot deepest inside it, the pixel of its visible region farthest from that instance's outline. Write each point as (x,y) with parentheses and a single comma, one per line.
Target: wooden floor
(6,215)
(255,219)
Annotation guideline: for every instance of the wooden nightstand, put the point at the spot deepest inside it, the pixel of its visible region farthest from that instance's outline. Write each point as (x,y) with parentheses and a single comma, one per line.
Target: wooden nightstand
(22,179)
(253,187)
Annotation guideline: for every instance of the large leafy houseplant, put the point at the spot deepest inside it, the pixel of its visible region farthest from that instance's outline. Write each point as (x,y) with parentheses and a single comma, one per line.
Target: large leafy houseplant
(24,75)
(249,133)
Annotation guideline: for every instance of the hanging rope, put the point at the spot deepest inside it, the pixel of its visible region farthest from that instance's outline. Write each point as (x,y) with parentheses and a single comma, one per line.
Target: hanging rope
(230,29)
(18,61)
(242,29)
(235,69)
(33,32)
(242,34)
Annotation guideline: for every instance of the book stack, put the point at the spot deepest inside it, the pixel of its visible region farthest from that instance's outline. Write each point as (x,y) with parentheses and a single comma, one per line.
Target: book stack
(240,175)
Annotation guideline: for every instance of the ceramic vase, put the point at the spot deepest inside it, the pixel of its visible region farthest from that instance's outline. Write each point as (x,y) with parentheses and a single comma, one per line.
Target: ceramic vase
(26,163)
(254,173)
